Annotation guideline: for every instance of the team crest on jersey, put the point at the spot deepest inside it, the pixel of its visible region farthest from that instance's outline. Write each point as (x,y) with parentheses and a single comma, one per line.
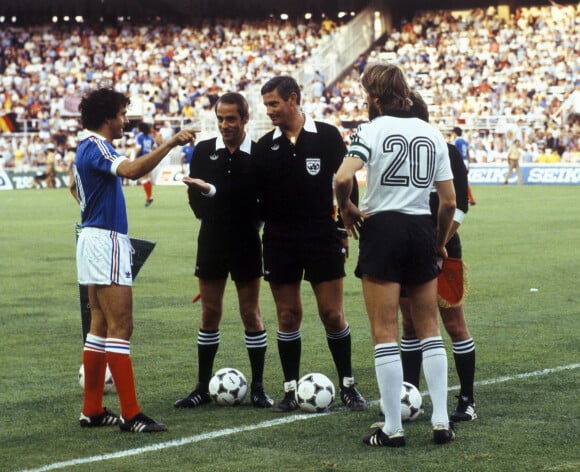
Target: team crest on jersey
(275,147)
(313,165)
(213,156)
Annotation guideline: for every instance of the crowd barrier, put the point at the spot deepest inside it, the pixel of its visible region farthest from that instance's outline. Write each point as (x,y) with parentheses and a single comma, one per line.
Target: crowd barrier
(479,174)
(11,180)
(532,174)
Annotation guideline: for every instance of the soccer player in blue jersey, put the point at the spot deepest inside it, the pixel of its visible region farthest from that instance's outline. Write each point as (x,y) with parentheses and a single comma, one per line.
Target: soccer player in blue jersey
(104,256)
(145,144)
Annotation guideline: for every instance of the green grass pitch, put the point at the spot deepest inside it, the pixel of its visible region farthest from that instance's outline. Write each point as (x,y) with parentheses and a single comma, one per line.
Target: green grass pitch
(515,239)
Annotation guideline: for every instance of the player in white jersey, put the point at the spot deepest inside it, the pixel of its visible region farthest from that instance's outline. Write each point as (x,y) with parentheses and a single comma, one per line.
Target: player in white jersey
(104,256)
(399,243)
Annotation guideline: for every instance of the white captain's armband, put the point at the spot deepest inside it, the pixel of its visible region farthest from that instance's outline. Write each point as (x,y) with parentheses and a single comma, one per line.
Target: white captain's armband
(458,216)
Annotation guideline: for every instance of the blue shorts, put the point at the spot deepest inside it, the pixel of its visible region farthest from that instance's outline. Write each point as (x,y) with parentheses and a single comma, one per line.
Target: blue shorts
(399,248)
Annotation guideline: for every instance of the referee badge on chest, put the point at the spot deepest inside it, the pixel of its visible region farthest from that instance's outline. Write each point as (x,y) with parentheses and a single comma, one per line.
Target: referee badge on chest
(313,165)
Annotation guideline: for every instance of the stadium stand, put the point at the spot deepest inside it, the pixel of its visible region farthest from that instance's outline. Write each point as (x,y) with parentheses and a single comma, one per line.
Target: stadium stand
(494,72)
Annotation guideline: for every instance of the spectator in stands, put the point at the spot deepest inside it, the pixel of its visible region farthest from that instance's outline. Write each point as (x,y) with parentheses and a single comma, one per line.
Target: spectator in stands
(360,64)
(475,62)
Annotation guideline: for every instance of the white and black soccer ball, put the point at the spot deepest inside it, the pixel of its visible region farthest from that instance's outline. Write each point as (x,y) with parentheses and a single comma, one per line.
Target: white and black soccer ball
(315,393)
(228,387)
(411,402)
(109,383)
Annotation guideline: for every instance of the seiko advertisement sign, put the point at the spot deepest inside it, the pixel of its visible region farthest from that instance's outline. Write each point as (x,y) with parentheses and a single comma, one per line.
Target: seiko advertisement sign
(532,174)
(479,174)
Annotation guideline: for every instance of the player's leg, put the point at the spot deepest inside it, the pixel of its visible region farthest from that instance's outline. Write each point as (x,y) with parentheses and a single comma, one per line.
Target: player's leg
(423,301)
(212,295)
(116,302)
(382,303)
(464,356)
(509,172)
(411,354)
(147,183)
(255,338)
(519,174)
(208,339)
(329,299)
(94,363)
(289,313)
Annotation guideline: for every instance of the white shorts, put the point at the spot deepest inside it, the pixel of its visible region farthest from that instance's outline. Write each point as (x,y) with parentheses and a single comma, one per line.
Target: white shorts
(104,257)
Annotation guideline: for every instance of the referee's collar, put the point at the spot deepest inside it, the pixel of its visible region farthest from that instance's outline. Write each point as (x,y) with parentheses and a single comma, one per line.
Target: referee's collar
(309,125)
(246,145)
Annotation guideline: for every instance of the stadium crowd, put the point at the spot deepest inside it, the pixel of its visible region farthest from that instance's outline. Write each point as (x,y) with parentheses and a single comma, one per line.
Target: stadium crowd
(498,78)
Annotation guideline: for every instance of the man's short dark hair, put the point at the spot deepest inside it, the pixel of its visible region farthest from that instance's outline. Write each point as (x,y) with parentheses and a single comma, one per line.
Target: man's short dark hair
(419,107)
(100,105)
(458,131)
(234,98)
(285,85)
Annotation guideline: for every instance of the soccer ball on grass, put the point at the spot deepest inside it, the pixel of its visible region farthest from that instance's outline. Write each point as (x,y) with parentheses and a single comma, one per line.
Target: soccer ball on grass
(109,383)
(228,387)
(314,393)
(411,402)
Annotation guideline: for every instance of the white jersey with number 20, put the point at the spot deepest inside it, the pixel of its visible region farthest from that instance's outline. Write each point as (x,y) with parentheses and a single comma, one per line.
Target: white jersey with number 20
(404,157)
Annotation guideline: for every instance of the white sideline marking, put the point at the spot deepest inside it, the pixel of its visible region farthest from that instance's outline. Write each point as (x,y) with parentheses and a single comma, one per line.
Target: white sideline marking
(264,424)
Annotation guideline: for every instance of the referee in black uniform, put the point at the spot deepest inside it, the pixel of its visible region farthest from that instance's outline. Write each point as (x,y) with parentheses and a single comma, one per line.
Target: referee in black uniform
(222,196)
(295,165)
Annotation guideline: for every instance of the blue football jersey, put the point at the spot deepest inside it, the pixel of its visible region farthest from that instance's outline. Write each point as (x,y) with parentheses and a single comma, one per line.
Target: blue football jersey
(99,188)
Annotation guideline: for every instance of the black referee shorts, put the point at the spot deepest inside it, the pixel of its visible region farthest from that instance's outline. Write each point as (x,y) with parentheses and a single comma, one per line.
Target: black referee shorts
(310,249)
(224,249)
(399,248)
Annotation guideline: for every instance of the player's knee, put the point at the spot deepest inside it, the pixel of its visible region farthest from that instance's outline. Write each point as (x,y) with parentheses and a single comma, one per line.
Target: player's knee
(333,320)
(210,319)
(289,320)
(252,321)
(454,322)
